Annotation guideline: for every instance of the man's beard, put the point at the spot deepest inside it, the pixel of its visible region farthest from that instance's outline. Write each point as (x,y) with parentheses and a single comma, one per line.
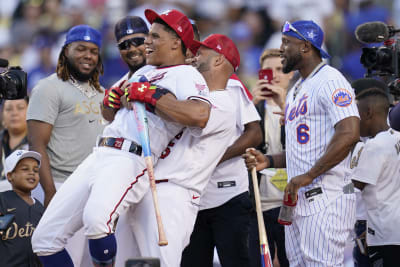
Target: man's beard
(134,68)
(74,71)
(291,63)
(203,66)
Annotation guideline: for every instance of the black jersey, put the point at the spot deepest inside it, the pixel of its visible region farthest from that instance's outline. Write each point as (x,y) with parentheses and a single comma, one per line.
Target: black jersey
(15,243)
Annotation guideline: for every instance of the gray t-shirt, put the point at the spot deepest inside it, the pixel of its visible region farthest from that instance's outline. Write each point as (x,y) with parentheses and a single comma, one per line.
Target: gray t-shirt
(76,120)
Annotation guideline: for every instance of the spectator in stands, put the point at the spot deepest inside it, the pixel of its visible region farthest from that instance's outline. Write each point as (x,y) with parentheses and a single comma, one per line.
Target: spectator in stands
(269,98)
(14,134)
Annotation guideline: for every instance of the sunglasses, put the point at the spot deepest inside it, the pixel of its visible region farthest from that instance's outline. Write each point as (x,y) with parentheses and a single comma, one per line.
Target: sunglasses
(136,41)
(287,27)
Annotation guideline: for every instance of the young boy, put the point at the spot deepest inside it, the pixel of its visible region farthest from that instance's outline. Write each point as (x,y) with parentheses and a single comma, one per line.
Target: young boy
(22,171)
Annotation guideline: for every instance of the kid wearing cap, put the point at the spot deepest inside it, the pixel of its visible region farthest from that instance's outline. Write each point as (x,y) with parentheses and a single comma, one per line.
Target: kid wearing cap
(19,212)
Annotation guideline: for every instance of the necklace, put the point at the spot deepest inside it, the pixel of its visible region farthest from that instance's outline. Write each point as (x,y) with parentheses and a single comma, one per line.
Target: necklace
(300,81)
(87,90)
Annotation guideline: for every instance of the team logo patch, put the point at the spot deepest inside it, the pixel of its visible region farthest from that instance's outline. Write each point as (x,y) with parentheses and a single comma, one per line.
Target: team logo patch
(341,97)
(200,87)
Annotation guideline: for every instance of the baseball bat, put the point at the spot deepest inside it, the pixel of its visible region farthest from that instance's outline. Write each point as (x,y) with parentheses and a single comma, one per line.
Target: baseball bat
(262,234)
(143,129)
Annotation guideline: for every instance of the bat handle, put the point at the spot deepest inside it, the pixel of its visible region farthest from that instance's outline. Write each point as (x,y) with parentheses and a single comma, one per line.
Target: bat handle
(162,238)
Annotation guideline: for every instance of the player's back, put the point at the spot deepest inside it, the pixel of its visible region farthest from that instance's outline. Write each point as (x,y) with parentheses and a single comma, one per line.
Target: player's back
(199,150)
(183,81)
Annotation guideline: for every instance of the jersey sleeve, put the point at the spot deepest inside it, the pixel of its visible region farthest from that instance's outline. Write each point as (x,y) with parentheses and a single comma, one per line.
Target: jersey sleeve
(337,98)
(246,111)
(44,103)
(190,84)
(368,163)
(222,116)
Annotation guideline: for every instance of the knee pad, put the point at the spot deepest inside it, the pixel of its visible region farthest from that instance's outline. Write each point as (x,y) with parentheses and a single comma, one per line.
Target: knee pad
(103,250)
(59,259)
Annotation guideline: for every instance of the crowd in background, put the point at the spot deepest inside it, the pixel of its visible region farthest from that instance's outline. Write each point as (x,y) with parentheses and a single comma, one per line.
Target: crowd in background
(32,31)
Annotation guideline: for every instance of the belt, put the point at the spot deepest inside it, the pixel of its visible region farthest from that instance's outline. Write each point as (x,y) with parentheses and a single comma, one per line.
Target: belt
(161,181)
(122,144)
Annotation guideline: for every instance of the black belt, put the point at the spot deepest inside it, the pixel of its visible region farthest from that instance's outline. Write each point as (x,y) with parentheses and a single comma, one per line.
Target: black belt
(118,143)
(162,181)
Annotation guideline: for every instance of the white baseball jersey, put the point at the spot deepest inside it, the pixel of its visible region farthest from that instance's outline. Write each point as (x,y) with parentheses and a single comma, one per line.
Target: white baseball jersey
(191,84)
(230,178)
(190,161)
(89,198)
(361,211)
(379,167)
(313,108)
(187,165)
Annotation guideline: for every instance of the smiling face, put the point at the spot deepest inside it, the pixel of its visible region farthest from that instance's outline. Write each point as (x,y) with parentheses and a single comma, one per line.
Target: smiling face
(25,175)
(82,59)
(159,44)
(291,53)
(134,55)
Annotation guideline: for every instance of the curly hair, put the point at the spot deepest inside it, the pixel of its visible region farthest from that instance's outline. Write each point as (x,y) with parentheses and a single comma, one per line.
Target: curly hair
(64,74)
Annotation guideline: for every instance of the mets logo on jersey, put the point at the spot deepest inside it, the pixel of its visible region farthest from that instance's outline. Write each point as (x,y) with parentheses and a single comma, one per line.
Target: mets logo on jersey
(342,97)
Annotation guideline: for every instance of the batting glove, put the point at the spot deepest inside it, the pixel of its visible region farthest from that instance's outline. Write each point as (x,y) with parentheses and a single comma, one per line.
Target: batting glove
(112,97)
(146,93)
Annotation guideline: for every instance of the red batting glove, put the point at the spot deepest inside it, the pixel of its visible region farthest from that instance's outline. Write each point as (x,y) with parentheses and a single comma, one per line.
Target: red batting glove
(112,97)
(144,92)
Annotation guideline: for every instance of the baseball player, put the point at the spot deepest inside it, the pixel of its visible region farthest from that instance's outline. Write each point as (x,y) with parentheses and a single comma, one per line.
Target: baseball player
(322,125)
(114,176)
(376,170)
(62,106)
(130,33)
(187,163)
(225,204)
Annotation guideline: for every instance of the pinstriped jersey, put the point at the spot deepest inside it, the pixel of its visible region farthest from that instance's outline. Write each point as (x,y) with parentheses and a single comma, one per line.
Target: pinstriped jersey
(313,108)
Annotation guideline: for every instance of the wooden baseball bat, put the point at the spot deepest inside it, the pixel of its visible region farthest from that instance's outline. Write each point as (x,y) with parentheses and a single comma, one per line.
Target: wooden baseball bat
(262,234)
(143,129)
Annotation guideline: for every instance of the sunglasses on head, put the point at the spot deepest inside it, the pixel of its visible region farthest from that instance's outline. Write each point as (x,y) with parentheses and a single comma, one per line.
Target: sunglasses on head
(136,41)
(287,27)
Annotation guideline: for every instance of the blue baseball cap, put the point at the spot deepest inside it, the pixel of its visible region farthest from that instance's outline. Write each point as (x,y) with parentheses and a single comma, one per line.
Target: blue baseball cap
(130,25)
(306,30)
(83,33)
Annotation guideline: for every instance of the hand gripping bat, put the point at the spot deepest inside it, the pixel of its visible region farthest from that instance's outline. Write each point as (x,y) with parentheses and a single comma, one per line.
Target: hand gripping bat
(142,125)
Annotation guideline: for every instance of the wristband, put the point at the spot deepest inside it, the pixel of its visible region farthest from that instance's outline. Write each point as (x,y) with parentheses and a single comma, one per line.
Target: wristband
(271,161)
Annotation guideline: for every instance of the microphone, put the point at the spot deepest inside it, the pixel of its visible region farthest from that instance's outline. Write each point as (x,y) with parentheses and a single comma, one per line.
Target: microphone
(374,32)
(3,63)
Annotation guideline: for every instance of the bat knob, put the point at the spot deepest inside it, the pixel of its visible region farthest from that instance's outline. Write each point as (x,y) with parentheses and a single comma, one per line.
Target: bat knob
(162,243)
(143,79)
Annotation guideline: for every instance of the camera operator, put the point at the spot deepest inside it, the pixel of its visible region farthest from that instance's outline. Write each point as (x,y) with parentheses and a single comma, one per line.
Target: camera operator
(376,166)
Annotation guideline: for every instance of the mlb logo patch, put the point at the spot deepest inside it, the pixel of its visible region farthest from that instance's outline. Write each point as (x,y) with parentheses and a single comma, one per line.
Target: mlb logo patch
(342,97)
(129,31)
(86,37)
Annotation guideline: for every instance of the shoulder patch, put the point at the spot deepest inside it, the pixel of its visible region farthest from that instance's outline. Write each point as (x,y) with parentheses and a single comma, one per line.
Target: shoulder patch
(342,97)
